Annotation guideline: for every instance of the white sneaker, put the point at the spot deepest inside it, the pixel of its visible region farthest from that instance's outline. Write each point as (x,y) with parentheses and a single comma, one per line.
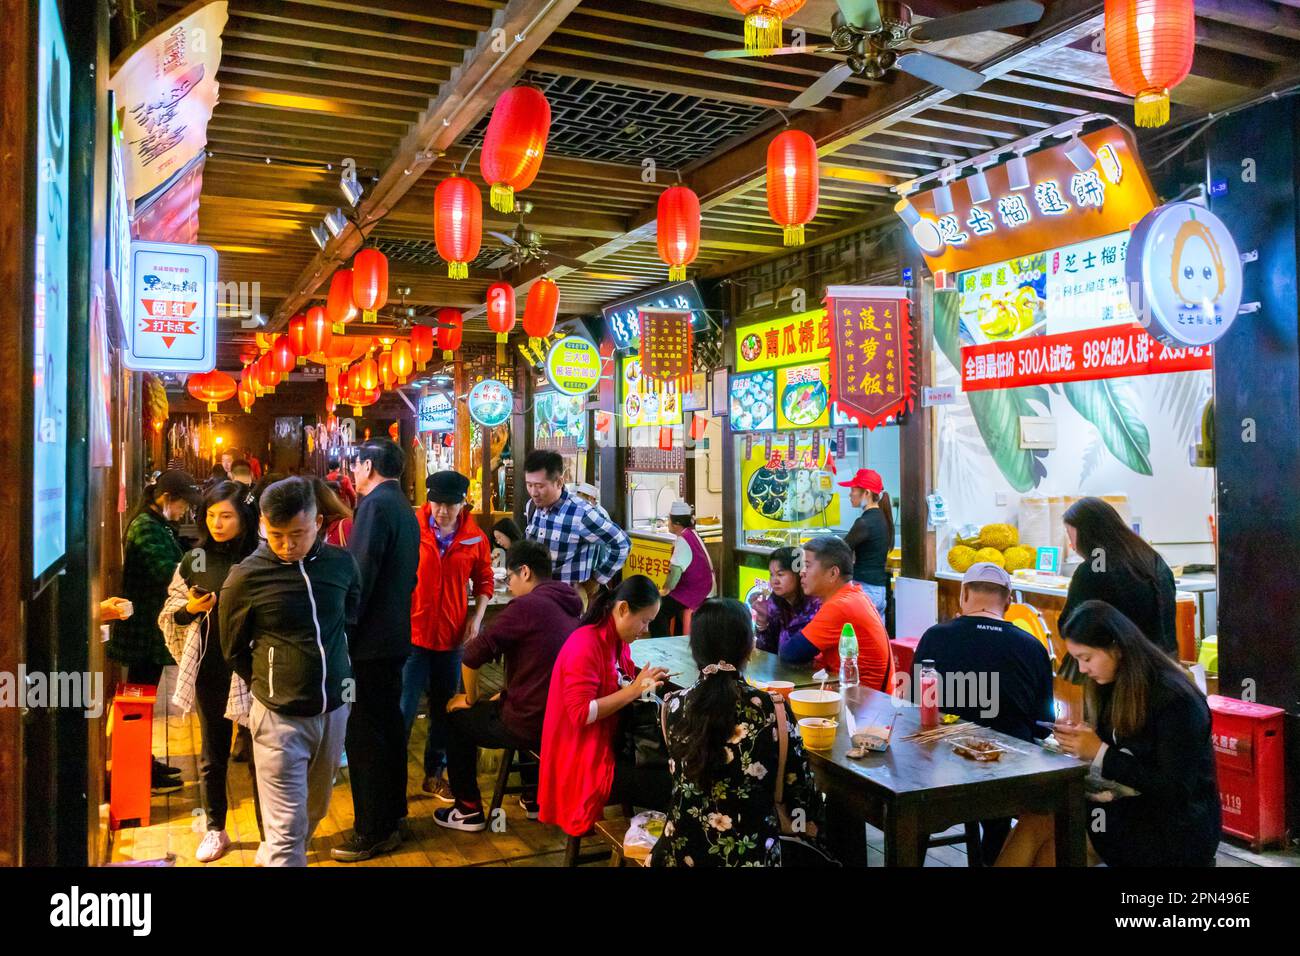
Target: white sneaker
(214,846)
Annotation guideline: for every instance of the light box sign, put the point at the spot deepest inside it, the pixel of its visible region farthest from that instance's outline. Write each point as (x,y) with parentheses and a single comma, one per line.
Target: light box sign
(646,402)
(573,366)
(559,421)
(803,398)
(1059,205)
(437,413)
(753,402)
(490,403)
(119,234)
(173,309)
(792,340)
(624,318)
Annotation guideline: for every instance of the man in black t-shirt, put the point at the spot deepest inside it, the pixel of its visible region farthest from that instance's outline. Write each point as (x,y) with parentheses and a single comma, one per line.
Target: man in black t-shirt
(991,671)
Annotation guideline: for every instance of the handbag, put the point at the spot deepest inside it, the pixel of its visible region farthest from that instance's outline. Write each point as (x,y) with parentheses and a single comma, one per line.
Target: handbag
(642,741)
(797,849)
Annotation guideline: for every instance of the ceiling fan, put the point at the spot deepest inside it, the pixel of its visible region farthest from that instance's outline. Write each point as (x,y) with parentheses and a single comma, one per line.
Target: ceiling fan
(873,34)
(524,245)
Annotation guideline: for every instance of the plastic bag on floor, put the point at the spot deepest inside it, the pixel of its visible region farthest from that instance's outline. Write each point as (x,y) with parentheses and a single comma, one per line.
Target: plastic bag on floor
(646,829)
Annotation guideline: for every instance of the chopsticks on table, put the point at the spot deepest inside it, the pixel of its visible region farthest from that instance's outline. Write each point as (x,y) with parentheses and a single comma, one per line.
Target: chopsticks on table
(938,733)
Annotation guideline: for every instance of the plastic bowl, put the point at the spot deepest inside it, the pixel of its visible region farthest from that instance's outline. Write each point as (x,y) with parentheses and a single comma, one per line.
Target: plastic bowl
(782,687)
(818,732)
(815,703)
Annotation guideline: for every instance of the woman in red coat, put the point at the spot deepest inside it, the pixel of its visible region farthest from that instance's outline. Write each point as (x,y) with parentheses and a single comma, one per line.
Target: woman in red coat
(454,552)
(592,682)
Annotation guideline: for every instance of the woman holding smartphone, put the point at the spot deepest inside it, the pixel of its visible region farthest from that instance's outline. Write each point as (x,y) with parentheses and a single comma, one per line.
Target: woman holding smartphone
(190,626)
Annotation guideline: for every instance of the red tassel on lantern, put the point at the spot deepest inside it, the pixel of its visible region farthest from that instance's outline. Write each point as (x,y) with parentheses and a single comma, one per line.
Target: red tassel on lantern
(458,224)
(403,361)
(540,310)
(451,325)
(763,22)
(338,305)
(514,144)
(370,282)
(298,337)
(317,333)
(422,343)
(792,183)
(679,230)
(501,314)
(1149,48)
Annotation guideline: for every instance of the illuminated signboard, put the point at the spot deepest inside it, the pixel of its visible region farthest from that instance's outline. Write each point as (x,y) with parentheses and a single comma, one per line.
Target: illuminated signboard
(645,402)
(803,398)
(793,340)
(437,413)
(173,309)
(753,402)
(1059,205)
(624,320)
(573,365)
(490,403)
(559,421)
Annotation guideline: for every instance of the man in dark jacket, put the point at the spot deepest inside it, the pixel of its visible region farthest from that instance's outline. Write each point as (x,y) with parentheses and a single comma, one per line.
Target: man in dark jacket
(285,614)
(386,544)
(528,633)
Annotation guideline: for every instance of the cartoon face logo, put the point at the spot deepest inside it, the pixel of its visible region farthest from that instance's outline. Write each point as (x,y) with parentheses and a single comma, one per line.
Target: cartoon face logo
(1197,266)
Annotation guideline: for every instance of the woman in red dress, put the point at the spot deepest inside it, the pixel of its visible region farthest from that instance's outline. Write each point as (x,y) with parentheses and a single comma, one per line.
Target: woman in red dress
(592,682)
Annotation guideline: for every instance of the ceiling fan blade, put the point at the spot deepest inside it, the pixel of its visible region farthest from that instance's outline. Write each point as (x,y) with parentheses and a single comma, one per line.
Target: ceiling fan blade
(779,51)
(940,72)
(508,240)
(996,16)
(501,262)
(863,14)
(823,88)
(554,261)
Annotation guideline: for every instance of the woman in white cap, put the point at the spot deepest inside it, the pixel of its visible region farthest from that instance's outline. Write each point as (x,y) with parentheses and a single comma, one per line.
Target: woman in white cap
(690,572)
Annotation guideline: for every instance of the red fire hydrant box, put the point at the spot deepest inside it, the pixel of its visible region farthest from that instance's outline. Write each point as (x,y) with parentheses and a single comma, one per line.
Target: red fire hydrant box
(1248,749)
(130,727)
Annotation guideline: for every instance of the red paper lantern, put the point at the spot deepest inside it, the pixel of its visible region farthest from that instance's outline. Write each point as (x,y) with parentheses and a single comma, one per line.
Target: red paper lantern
(403,360)
(1149,48)
(268,373)
(368,374)
(317,333)
(541,309)
(792,183)
(501,314)
(338,304)
(246,397)
(212,387)
(763,21)
(352,383)
(298,337)
(332,383)
(514,144)
(369,282)
(451,325)
(283,356)
(679,230)
(458,224)
(387,377)
(422,344)
(251,377)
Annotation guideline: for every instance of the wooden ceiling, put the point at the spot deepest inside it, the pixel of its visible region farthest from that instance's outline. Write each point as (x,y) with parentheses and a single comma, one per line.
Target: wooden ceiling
(401,85)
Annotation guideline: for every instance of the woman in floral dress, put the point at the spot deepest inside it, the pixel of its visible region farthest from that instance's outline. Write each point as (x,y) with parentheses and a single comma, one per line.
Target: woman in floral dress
(723,745)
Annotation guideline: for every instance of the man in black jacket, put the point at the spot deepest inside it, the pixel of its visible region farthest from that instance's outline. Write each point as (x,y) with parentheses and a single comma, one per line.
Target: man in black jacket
(286,611)
(386,544)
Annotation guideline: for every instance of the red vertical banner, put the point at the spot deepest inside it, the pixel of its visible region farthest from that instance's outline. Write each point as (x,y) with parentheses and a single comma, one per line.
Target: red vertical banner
(871,352)
(666,345)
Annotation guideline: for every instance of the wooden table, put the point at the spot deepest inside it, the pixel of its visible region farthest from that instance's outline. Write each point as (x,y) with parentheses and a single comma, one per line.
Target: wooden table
(915,789)
(674,653)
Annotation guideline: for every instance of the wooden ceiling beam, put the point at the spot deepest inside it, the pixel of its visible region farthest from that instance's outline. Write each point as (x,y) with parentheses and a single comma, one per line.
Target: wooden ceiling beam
(1257,15)
(393,48)
(250,95)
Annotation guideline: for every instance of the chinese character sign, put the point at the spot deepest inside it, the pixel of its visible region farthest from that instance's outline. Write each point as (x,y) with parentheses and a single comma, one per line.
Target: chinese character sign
(795,339)
(167,89)
(173,308)
(871,362)
(666,346)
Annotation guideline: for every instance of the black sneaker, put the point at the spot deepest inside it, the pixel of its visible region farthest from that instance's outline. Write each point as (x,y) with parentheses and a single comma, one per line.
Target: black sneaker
(161,769)
(356,848)
(454,818)
(160,783)
(532,809)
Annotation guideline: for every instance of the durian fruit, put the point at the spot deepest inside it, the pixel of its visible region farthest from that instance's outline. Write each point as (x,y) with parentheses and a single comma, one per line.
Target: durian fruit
(1017,557)
(961,557)
(991,554)
(1000,536)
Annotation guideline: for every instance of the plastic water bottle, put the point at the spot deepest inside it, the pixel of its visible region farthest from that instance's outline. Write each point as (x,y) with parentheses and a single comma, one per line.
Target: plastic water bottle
(848,657)
(929,696)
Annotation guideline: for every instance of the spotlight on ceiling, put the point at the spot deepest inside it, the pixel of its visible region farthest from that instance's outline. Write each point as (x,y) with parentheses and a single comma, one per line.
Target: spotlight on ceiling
(1078,153)
(1018,173)
(978,185)
(336,222)
(319,233)
(907,213)
(943,200)
(352,189)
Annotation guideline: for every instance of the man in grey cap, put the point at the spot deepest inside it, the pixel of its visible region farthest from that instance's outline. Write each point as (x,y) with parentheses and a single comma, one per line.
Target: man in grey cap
(991,671)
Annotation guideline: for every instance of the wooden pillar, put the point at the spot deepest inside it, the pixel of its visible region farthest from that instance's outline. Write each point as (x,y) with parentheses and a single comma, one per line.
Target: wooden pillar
(916,459)
(461,387)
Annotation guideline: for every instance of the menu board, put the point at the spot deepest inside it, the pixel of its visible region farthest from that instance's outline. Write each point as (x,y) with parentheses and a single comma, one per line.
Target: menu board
(753,402)
(645,402)
(783,492)
(803,398)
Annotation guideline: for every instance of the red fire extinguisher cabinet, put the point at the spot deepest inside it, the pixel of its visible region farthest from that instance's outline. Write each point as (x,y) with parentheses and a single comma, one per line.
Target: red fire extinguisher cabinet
(130,763)
(1248,750)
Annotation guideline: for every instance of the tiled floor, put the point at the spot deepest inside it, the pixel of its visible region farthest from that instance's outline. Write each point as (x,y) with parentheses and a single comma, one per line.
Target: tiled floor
(176,825)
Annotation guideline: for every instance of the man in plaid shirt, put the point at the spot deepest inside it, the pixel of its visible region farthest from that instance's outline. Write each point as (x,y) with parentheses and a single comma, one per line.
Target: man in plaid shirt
(587,547)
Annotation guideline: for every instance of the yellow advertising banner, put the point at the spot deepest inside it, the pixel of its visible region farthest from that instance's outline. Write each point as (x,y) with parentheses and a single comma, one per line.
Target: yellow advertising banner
(802,338)
(803,397)
(649,557)
(782,493)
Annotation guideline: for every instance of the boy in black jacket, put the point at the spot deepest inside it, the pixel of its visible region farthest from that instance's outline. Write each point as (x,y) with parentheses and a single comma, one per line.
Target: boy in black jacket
(286,611)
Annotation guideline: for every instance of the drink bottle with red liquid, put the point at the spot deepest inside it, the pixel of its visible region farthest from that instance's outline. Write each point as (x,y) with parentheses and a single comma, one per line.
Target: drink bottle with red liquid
(929,695)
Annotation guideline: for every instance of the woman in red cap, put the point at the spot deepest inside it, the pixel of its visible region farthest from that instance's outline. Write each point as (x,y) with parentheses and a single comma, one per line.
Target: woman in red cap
(872,534)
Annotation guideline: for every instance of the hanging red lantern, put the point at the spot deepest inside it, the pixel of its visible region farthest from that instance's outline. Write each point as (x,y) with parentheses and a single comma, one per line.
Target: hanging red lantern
(451,326)
(370,282)
(514,144)
(344,349)
(763,22)
(317,333)
(212,387)
(422,344)
(501,314)
(1149,48)
(368,373)
(332,382)
(298,338)
(246,398)
(403,360)
(268,373)
(387,377)
(361,397)
(339,306)
(458,224)
(792,183)
(352,381)
(283,355)
(679,230)
(541,309)
(251,376)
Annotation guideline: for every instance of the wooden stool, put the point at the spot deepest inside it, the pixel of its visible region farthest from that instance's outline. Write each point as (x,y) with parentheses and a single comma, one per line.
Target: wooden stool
(503,779)
(573,854)
(612,832)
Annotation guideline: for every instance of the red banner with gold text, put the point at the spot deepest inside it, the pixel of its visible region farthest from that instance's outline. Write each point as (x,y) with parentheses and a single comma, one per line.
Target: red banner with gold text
(871,352)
